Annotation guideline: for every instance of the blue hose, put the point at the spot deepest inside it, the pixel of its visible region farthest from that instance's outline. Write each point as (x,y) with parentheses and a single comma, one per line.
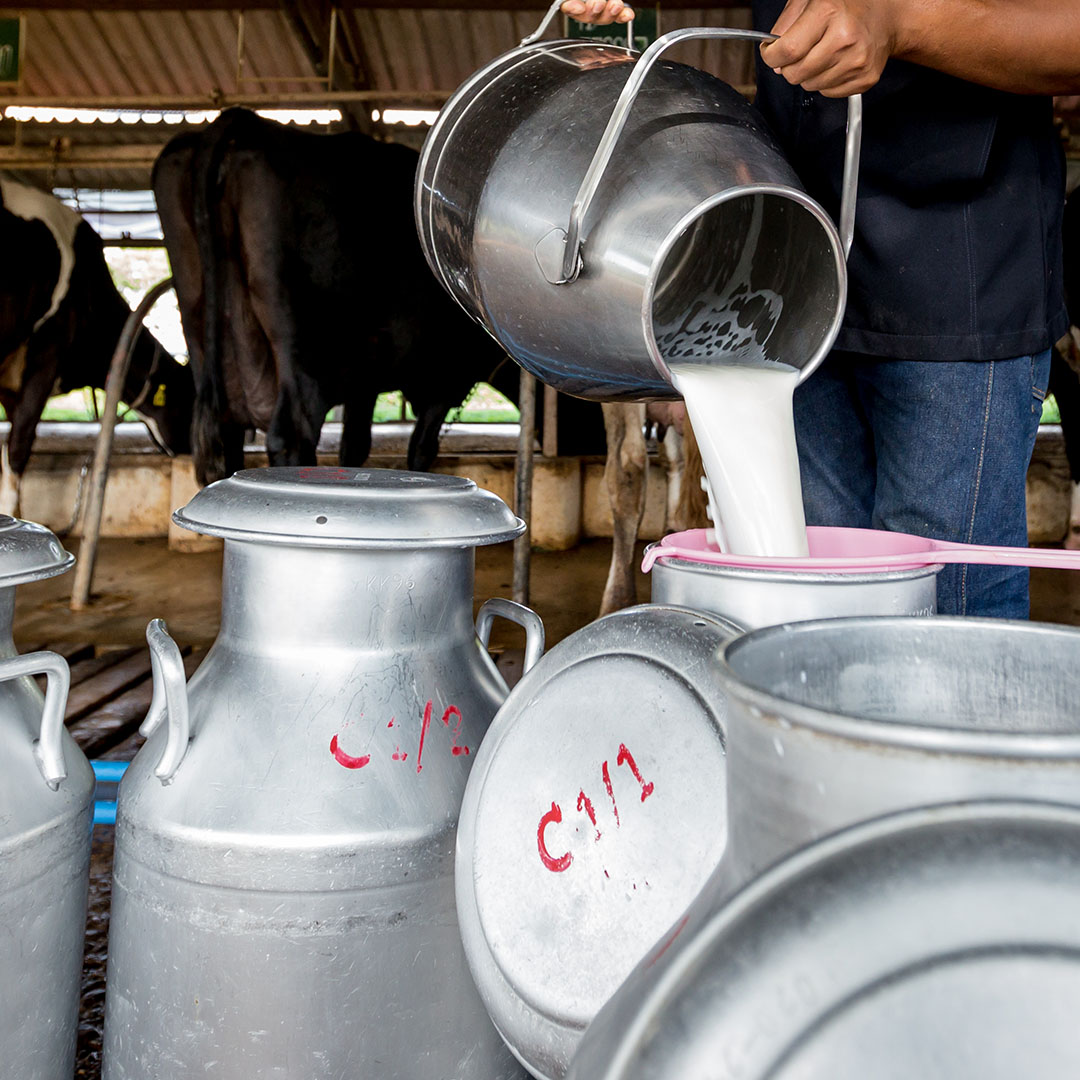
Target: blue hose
(106,773)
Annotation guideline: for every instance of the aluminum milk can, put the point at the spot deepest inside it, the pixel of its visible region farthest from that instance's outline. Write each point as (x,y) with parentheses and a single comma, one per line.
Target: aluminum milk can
(283,896)
(46,797)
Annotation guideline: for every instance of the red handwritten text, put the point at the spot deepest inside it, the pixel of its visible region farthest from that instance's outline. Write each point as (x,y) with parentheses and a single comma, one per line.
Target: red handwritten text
(347,760)
(555,864)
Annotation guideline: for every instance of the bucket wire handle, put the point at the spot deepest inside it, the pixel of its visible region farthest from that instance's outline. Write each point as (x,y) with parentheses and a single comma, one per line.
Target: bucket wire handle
(572,263)
(552,11)
(48,747)
(169,700)
(524,616)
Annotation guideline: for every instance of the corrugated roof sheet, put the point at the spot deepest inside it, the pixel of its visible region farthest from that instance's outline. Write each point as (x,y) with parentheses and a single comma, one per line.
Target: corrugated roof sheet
(147,54)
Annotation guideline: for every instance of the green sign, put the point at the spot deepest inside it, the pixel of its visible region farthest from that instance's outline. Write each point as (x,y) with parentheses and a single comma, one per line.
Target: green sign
(645,30)
(10,34)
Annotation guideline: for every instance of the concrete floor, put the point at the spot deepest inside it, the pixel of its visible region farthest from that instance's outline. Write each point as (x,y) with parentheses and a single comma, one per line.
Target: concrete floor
(138,580)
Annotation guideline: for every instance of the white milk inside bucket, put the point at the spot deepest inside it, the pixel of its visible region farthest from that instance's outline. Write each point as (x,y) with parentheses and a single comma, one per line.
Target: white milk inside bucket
(747,295)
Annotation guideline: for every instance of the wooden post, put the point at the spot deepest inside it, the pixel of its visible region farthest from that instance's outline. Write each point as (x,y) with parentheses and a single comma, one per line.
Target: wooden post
(551,422)
(523,475)
(99,475)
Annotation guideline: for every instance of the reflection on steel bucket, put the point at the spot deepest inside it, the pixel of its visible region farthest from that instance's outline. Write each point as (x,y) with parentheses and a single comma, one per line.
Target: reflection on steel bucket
(841,720)
(937,942)
(551,195)
(592,817)
(755,597)
(283,883)
(46,792)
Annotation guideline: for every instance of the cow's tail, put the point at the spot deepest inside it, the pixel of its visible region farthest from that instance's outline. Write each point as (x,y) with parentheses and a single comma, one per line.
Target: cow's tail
(211,399)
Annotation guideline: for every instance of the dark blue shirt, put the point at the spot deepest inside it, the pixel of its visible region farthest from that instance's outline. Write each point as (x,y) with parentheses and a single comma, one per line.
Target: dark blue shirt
(957,252)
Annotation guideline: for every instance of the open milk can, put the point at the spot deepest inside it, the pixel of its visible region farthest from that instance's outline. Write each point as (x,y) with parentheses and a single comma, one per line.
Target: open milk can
(46,795)
(283,897)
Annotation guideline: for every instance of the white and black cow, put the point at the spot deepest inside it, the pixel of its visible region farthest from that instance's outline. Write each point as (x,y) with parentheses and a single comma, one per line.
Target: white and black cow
(302,286)
(60,319)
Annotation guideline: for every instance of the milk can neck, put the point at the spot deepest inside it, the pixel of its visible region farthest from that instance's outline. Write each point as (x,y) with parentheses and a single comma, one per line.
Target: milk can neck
(276,595)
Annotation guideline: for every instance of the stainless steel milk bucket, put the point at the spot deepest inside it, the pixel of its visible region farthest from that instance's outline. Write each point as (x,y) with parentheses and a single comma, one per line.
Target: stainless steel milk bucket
(941,943)
(573,184)
(755,598)
(283,897)
(838,721)
(46,797)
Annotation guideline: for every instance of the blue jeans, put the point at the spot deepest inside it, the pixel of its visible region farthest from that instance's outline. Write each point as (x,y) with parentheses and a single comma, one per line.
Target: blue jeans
(937,448)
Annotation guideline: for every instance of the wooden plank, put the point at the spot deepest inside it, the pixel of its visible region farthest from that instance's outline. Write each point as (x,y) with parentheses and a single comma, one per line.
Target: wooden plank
(116,722)
(82,661)
(90,694)
(72,652)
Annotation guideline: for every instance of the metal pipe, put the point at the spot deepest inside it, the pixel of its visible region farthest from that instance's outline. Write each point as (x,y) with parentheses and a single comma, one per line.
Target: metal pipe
(99,476)
(523,476)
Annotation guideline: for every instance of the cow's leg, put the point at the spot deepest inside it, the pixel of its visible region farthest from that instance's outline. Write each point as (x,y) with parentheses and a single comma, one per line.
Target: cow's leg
(625,475)
(356,428)
(671,447)
(293,436)
(424,441)
(24,414)
(10,481)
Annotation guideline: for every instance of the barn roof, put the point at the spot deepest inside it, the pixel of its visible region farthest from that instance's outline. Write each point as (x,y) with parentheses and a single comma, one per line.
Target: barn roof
(136,54)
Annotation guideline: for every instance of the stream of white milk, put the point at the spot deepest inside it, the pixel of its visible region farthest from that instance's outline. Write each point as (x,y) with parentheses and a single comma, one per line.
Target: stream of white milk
(743,420)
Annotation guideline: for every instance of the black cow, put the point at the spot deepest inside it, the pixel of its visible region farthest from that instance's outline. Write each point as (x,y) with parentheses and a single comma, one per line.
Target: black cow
(302,286)
(60,320)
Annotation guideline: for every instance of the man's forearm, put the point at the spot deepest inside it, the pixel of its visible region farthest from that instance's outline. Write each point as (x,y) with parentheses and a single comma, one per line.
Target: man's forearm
(1026,46)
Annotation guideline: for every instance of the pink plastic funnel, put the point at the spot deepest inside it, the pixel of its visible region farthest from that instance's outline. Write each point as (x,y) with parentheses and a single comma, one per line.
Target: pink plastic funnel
(856,551)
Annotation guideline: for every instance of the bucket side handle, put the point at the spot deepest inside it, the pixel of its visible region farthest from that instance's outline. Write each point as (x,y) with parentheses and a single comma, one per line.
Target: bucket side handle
(48,747)
(524,616)
(169,700)
(572,262)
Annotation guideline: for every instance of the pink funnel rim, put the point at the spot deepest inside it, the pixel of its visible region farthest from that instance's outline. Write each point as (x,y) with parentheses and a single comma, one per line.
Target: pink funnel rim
(832,550)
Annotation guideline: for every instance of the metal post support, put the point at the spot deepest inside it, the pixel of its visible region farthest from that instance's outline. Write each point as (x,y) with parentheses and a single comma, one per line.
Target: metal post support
(523,476)
(99,475)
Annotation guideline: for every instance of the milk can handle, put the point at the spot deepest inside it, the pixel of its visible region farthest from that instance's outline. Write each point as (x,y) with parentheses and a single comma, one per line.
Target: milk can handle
(48,749)
(571,266)
(169,700)
(518,613)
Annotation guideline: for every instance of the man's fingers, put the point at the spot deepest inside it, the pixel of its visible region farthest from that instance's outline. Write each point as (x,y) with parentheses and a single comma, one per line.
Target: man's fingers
(800,37)
(792,10)
(598,12)
(837,66)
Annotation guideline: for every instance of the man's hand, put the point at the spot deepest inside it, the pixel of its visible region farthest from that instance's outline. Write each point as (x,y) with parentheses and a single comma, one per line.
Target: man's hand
(838,47)
(598,12)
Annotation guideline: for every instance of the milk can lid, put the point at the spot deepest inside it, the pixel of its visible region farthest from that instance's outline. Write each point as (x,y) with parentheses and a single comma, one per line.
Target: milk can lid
(594,813)
(29,552)
(325,506)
